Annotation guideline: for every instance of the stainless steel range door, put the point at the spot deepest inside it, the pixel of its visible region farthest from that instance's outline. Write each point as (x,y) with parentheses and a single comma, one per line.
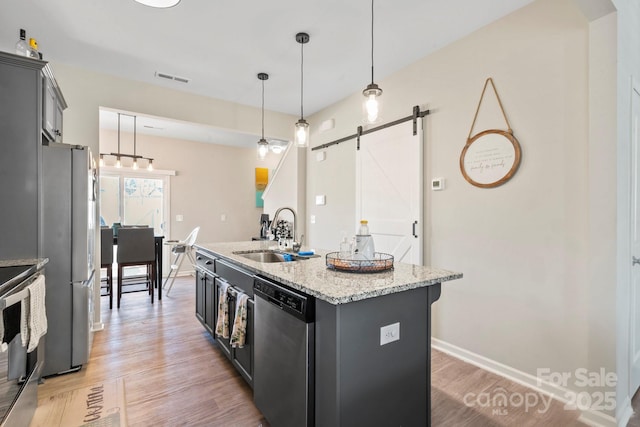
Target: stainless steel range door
(283,382)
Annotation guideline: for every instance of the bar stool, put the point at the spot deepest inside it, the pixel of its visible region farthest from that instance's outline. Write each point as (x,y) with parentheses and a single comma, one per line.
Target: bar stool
(136,246)
(106,259)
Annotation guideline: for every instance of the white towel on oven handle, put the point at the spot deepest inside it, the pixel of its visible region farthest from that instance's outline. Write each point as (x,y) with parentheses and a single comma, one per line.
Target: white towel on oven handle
(33,320)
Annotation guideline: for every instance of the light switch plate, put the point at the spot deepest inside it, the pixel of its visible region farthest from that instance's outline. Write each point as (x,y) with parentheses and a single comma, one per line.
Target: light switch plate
(179,218)
(390,333)
(321,200)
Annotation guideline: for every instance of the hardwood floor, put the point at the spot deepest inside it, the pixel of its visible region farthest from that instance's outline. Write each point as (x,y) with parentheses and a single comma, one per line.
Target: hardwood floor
(465,395)
(174,374)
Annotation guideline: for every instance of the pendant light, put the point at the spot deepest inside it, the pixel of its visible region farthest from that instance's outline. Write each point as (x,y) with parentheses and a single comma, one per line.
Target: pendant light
(372,93)
(162,4)
(302,127)
(263,145)
(135,156)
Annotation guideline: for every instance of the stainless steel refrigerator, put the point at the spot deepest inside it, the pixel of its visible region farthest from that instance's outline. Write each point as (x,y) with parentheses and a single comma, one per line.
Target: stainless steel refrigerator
(68,233)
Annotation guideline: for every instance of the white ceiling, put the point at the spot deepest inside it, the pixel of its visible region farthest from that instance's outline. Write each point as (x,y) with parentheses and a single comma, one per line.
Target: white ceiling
(220,46)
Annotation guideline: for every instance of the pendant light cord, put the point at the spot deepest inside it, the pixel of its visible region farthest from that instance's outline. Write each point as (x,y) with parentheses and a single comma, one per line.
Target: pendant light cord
(118,134)
(134,136)
(371,41)
(262,109)
(301,80)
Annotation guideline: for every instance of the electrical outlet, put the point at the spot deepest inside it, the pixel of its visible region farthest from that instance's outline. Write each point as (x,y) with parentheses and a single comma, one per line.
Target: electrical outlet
(223,217)
(179,218)
(390,333)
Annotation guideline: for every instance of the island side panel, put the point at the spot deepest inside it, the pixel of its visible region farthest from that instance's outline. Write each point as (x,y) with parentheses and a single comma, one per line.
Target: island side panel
(359,381)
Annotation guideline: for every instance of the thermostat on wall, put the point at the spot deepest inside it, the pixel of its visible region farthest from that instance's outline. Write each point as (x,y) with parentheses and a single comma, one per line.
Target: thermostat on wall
(437,184)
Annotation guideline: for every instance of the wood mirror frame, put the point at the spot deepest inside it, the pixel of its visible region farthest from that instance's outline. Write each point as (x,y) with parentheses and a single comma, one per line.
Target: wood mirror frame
(491,156)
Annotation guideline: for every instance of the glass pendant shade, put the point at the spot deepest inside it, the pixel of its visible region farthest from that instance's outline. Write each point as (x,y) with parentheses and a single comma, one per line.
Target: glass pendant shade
(263,149)
(150,165)
(302,133)
(159,3)
(135,164)
(101,163)
(118,162)
(372,104)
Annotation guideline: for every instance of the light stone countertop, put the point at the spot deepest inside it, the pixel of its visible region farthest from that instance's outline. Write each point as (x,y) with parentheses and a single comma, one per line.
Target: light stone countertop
(37,262)
(312,276)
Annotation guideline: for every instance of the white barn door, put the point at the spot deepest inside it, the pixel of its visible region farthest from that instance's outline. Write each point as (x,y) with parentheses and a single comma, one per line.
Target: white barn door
(389,190)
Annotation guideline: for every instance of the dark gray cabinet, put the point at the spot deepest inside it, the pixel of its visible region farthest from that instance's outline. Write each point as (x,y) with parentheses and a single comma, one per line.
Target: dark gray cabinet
(211,273)
(21,126)
(53,105)
(205,292)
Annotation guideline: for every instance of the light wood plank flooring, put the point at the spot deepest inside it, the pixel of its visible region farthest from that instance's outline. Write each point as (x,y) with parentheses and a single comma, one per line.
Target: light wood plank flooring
(175,375)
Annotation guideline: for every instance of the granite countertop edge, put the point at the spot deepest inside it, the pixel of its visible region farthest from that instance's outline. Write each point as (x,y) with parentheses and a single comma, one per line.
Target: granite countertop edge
(312,277)
(37,262)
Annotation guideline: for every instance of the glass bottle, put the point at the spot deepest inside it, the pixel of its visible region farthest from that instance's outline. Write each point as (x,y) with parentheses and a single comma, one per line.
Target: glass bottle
(33,51)
(345,248)
(22,48)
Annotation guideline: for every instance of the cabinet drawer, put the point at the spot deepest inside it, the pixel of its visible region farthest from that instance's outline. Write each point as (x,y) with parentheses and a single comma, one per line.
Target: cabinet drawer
(235,276)
(205,261)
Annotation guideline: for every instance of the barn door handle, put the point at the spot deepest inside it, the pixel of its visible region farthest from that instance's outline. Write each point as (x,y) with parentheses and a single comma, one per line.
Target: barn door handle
(413,232)
(635,261)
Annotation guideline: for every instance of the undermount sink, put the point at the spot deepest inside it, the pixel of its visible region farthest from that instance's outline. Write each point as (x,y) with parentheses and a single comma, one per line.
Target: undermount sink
(267,256)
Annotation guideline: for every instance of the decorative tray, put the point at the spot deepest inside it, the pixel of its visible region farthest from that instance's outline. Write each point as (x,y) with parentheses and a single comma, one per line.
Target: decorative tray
(380,262)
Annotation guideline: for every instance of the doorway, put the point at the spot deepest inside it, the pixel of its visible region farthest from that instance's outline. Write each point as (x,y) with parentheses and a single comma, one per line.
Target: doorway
(634,330)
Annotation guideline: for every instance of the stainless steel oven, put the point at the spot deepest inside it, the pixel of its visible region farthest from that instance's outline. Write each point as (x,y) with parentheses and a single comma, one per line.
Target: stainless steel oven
(19,370)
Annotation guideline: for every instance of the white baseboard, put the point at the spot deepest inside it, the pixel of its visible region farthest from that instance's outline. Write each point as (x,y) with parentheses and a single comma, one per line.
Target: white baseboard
(626,412)
(590,417)
(96,327)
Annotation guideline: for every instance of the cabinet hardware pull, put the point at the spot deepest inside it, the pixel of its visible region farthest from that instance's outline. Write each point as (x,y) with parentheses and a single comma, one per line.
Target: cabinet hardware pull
(413,232)
(635,261)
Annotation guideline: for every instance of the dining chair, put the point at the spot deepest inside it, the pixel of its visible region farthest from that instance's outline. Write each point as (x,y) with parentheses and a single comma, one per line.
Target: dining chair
(136,247)
(106,259)
(180,249)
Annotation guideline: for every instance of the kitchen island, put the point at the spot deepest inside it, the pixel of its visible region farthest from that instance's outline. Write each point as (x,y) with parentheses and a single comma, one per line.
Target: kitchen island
(371,357)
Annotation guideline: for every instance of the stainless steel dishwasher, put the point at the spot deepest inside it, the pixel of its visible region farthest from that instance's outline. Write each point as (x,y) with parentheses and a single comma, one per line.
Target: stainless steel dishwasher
(284,347)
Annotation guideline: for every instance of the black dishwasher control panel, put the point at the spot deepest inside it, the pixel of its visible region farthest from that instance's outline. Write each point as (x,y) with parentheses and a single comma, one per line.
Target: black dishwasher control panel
(295,303)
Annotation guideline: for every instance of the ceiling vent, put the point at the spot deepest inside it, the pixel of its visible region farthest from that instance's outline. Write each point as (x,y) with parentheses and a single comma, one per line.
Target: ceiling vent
(171,77)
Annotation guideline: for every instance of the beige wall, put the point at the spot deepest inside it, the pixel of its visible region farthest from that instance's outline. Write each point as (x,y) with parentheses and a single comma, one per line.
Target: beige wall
(287,188)
(527,299)
(211,180)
